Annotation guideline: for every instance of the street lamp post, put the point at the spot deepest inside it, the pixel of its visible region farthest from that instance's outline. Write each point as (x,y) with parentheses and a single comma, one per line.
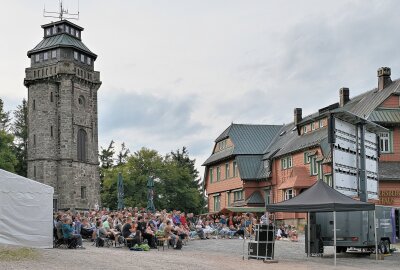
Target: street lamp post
(150,195)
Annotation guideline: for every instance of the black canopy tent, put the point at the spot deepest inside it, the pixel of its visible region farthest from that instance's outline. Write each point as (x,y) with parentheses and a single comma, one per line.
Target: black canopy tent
(321,198)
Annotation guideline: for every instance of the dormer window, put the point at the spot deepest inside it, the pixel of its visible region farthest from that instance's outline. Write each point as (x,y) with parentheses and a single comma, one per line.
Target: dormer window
(67,29)
(221,145)
(82,58)
(89,61)
(304,129)
(45,55)
(48,31)
(53,53)
(37,57)
(73,31)
(77,33)
(76,55)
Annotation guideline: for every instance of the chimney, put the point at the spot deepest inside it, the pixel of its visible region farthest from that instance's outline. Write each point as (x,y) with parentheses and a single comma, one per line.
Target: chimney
(383,77)
(344,96)
(297,115)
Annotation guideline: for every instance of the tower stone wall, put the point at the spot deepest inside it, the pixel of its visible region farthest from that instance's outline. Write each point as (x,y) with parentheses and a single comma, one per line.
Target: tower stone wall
(62,120)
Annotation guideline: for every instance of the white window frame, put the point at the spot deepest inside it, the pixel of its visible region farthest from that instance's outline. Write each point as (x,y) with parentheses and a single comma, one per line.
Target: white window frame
(283,163)
(307,158)
(314,165)
(321,123)
(217,203)
(266,163)
(305,129)
(267,194)
(235,169)
(290,161)
(328,179)
(238,195)
(385,144)
(289,193)
(313,126)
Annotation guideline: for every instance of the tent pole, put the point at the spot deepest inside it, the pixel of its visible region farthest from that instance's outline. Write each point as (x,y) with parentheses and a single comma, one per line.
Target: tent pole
(309,236)
(376,237)
(334,234)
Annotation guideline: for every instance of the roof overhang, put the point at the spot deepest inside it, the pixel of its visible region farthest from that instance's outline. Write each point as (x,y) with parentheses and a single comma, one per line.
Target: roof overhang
(356,120)
(62,22)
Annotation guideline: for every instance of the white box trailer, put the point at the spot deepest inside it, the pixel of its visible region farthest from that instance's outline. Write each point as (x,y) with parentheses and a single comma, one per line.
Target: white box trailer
(354,151)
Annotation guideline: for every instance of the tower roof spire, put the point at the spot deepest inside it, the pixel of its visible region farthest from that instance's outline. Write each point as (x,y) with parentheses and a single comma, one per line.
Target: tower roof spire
(62,13)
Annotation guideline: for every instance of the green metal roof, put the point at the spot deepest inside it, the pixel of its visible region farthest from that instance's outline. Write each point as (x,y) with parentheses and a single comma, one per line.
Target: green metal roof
(61,40)
(389,171)
(363,105)
(247,140)
(385,116)
(218,156)
(248,166)
(252,139)
(244,209)
(256,198)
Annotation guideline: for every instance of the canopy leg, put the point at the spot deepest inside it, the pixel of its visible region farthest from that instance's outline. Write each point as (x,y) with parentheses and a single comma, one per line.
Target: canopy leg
(308,233)
(334,235)
(376,236)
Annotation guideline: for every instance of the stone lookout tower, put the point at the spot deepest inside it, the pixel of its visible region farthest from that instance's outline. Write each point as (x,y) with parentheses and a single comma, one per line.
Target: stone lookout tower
(62,116)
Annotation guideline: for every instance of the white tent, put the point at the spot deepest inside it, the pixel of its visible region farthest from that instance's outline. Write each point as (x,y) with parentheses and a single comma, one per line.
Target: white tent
(26,212)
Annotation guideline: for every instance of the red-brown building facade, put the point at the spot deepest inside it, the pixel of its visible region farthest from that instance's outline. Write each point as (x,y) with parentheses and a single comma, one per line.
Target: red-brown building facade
(252,165)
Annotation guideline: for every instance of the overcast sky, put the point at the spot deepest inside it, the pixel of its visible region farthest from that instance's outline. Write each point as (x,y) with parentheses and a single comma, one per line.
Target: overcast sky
(177,73)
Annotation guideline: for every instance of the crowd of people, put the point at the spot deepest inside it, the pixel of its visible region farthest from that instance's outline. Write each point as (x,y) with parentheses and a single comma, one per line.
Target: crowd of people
(133,226)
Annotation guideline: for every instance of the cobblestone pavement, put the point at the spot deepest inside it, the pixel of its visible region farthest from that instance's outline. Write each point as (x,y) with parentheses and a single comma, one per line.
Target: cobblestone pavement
(199,254)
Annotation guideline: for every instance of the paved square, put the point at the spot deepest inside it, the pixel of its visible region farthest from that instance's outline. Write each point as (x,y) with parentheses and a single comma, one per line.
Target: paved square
(198,254)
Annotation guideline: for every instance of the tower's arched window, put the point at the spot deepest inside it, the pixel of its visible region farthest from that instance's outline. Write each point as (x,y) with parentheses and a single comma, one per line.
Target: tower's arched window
(82,142)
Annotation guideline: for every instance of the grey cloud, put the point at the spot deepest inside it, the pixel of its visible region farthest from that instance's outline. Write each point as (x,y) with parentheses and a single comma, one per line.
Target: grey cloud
(308,64)
(160,117)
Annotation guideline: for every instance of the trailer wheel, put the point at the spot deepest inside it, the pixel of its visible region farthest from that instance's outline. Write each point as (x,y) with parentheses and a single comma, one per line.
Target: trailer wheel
(387,244)
(383,249)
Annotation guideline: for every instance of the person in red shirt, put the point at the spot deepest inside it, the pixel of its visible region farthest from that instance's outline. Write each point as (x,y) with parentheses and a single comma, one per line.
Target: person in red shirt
(183,221)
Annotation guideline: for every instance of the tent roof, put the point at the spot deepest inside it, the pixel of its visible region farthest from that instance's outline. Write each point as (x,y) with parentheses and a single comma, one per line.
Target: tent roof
(243,210)
(320,198)
(13,183)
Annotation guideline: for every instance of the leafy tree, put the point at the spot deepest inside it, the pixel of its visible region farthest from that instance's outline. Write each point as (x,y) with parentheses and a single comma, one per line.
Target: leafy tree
(140,166)
(20,130)
(122,156)
(107,156)
(4,116)
(109,188)
(8,161)
(181,183)
(176,181)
